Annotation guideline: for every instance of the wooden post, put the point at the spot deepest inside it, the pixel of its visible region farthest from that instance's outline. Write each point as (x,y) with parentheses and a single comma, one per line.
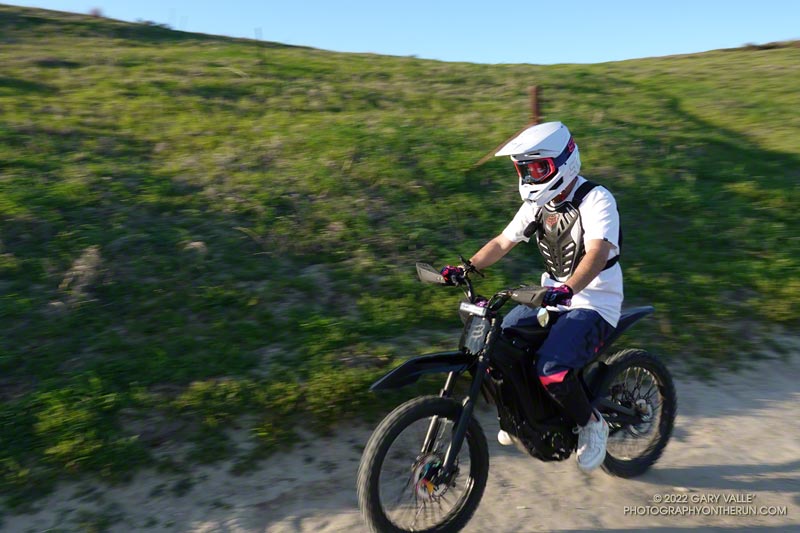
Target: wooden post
(534,104)
(535,94)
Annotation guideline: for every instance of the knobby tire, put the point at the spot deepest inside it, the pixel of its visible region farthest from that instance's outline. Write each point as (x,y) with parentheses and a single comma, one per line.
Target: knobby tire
(379,444)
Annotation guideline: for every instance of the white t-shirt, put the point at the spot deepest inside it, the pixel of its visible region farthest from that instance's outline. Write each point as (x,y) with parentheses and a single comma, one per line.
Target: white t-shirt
(600,220)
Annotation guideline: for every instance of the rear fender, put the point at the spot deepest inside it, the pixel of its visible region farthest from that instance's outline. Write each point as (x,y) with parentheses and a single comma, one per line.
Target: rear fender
(595,372)
(433,363)
(629,317)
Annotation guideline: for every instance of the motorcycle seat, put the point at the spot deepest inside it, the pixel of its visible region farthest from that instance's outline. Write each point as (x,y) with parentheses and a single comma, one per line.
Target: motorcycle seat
(529,334)
(534,335)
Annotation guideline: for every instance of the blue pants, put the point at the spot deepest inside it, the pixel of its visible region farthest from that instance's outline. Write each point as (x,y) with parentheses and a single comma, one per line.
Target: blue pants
(574,339)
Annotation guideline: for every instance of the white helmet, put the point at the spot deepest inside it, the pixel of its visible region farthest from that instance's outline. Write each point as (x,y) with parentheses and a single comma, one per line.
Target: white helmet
(547,161)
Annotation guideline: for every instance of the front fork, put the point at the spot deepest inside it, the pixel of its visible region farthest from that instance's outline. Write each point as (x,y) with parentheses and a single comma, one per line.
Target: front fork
(435,425)
(468,406)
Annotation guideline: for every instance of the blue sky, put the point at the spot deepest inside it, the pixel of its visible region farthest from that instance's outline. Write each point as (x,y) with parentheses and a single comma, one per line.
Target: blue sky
(503,31)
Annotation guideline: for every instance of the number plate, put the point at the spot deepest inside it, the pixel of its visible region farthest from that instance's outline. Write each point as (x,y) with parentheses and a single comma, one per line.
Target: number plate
(472,309)
(474,336)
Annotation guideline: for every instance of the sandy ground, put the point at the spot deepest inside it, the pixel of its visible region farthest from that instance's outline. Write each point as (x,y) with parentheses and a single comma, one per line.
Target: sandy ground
(738,437)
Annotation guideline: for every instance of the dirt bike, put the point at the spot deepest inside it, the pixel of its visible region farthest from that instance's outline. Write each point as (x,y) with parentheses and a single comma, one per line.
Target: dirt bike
(426,464)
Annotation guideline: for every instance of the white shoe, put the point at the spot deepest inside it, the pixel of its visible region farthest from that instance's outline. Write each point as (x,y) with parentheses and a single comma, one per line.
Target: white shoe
(592,440)
(504,438)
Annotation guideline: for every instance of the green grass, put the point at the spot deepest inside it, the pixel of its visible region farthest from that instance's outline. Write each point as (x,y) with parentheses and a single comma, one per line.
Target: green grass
(199,230)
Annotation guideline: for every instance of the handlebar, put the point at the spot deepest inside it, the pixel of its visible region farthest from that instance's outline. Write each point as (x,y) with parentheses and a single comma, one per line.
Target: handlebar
(469,267)
(530,295)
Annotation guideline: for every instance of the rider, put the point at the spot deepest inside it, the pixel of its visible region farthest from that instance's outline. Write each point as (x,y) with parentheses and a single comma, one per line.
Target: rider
(576,228)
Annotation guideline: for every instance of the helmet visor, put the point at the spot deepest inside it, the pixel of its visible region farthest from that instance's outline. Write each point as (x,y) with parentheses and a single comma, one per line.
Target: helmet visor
(536,170)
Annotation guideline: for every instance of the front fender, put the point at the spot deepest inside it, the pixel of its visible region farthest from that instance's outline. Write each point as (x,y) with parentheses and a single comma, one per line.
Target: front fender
(410,371)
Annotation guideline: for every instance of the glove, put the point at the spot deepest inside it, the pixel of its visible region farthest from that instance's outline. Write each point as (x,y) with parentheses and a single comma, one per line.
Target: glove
(557,296)
(451,273)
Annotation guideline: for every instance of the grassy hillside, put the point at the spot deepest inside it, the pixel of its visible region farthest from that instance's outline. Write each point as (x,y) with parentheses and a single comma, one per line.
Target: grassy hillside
(198,232)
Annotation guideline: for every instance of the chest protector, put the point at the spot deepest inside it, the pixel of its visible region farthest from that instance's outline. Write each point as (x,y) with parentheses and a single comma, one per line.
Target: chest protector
(559,235)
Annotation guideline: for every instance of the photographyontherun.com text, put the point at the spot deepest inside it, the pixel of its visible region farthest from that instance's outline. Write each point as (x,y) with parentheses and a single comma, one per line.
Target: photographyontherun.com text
(705,510)
(704,504)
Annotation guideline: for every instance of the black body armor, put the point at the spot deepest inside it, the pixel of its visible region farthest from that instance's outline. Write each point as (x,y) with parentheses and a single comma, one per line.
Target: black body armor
(559,235)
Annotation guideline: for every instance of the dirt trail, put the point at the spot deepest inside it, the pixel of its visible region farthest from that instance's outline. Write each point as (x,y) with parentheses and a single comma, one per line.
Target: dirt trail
(738,437)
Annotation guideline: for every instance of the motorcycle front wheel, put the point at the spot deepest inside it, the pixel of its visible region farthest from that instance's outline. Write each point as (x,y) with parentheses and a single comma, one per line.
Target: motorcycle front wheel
(398,487)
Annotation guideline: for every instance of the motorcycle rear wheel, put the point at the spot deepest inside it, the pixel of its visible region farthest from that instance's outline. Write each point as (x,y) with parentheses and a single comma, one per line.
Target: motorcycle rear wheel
(421,506)
(638,380)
